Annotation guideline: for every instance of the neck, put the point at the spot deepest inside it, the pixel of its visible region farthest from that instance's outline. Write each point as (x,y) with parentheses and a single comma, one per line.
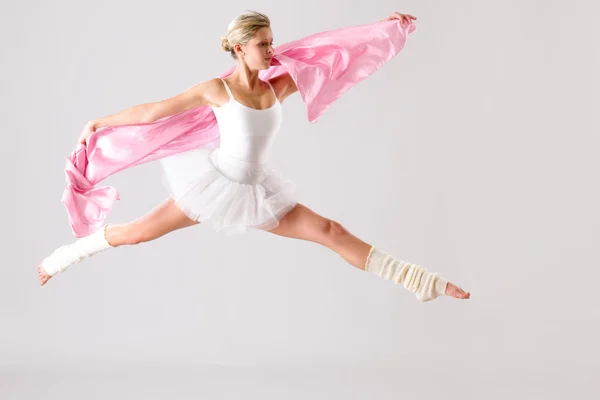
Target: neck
(245,77)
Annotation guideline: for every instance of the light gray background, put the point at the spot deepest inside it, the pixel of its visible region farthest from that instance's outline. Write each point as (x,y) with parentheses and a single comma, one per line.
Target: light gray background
(474,153)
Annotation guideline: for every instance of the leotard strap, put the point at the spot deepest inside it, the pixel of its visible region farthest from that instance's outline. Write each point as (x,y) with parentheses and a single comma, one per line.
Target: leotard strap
(227,88)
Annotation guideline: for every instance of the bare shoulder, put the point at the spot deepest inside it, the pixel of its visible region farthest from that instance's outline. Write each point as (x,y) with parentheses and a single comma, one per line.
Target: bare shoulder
(212,91)
(283,85)
(209,92)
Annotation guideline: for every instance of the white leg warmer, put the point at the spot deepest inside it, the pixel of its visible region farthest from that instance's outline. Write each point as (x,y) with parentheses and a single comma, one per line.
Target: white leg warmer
(425,285)
(65,256)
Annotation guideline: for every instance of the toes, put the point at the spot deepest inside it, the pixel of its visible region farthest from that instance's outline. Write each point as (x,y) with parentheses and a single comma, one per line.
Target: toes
(43,276)
(457,292)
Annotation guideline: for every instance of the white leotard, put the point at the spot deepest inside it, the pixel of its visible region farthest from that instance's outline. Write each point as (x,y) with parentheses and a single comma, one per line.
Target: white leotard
(247,133)
(230,181)
(246,138)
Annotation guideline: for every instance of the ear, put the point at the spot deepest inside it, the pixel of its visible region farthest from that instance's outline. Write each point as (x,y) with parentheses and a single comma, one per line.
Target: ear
(238,48)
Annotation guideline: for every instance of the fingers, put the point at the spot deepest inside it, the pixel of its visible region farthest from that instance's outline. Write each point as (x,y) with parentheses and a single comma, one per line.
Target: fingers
(402,17)
(408,18)
(87,131)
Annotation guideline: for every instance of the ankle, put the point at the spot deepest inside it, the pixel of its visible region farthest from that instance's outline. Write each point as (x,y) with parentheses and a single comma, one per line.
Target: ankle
(114,234)
(424,284)
(123,234)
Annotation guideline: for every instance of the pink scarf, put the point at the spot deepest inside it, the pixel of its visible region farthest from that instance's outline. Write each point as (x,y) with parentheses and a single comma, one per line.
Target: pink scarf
(323,66)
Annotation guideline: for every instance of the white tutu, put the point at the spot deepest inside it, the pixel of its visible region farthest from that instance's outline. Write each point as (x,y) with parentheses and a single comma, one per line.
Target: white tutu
(235,195)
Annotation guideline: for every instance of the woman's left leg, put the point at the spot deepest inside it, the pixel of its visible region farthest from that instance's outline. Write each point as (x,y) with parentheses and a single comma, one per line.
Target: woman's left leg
(303,223)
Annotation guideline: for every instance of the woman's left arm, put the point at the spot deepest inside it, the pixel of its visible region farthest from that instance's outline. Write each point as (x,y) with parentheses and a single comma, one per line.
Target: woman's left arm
(285,86)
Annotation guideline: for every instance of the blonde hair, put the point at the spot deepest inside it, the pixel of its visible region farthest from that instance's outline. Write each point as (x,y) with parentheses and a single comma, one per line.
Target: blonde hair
(242,29)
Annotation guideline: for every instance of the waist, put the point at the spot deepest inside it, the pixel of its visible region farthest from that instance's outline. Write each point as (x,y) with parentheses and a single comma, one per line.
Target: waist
(243,158)
(252,149)
(238,170)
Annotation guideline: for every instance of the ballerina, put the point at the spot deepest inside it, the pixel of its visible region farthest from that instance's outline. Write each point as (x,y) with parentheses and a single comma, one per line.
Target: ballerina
(229,181)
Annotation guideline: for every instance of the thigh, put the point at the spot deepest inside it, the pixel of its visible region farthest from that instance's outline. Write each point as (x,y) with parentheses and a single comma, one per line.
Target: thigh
(303,223)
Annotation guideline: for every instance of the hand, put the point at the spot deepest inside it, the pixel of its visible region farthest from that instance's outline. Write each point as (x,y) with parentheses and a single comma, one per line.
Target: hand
(88,129)
(401,17)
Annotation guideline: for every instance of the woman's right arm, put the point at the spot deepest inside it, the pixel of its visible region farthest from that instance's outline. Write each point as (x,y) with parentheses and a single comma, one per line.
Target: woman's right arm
(197,95)
(193,97)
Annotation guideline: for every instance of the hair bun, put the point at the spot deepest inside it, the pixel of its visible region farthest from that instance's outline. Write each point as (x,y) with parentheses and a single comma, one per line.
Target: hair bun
(225,43)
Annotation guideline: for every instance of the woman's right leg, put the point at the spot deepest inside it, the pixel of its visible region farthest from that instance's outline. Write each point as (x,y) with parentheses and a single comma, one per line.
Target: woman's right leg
(164,218)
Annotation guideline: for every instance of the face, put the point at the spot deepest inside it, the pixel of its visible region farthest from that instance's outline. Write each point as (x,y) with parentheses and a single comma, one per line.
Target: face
(259,50)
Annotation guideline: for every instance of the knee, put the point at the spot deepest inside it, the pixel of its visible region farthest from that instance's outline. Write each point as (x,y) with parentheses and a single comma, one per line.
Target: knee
(333,231)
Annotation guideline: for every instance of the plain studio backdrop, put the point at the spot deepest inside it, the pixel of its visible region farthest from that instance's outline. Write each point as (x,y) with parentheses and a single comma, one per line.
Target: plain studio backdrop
(473,153)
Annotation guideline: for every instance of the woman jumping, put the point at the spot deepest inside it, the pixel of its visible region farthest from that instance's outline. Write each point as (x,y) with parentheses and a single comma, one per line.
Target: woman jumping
(229,181)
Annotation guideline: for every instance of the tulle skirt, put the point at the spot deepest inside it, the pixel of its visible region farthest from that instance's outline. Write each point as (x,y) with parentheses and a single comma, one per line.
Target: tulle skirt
(234,195)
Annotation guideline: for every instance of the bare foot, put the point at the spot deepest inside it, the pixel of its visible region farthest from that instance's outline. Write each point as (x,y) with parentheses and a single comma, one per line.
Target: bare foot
(456,292)
(42,275)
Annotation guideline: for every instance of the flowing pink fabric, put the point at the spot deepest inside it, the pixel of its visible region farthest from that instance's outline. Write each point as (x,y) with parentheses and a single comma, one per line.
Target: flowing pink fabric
(323,66)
